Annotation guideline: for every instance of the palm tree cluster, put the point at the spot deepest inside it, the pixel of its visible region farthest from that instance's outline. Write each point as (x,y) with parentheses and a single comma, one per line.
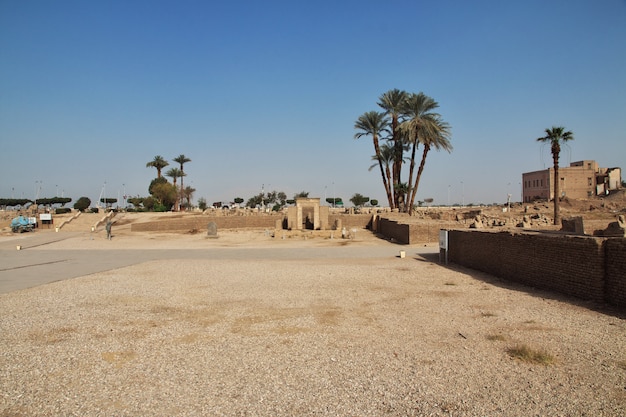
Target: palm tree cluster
(407,121)
(180,195)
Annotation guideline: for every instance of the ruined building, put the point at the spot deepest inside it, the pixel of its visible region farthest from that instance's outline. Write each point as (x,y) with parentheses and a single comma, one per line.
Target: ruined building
(582,179)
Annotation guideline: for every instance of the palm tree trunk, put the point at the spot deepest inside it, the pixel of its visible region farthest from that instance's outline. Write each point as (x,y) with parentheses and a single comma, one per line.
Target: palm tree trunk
(397,159)
(382,171)
(419,173)
(182,173)
(411,169)
(556,190)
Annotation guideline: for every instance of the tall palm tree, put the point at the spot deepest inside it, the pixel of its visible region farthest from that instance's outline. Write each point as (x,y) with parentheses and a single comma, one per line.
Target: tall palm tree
(174,174)
(159,163)
(387,157)
(182,160)
(426,127)
(374,124)
(393,103)
(555,136)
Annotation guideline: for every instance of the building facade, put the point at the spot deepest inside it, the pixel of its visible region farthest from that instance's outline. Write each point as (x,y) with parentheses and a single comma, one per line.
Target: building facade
(582,179)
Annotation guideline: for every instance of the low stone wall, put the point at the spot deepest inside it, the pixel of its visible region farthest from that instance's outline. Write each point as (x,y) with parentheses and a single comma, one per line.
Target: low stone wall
(261,221)
(584,267)
(200,222)
(409,232)
(615,252)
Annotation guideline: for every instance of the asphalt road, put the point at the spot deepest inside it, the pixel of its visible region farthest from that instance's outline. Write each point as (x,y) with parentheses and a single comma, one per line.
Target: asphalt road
(37,264)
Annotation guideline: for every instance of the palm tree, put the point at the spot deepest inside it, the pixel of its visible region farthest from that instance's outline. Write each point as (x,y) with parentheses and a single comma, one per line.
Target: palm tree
(188,193)
(555,136)
(159,163)
(393,103)
(174,174)
(426,127)
(374,124)
(182,160)
(387,157)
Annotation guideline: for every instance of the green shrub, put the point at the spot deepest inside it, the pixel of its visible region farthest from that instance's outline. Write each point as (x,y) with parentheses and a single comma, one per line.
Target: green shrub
(82,204)
(63,210)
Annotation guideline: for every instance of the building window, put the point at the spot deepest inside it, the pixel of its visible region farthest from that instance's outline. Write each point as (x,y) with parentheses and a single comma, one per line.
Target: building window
(589,183)
(589,193)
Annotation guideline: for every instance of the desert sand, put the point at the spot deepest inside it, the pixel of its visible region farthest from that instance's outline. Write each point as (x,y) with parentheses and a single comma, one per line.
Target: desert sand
(250,324)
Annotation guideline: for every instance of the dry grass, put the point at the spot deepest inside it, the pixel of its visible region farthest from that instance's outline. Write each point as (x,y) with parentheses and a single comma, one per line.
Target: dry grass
(529,355)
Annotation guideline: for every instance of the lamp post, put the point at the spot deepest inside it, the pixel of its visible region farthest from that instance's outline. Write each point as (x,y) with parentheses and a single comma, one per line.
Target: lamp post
(462,194)
(448,195)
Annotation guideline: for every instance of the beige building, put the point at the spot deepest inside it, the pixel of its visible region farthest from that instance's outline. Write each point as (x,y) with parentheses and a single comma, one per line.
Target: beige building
(582,179)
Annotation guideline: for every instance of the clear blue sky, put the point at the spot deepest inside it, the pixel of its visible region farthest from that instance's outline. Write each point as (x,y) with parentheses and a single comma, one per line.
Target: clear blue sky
(267,92)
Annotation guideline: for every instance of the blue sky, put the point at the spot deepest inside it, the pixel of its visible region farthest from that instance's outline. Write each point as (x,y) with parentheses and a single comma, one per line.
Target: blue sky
(265,94)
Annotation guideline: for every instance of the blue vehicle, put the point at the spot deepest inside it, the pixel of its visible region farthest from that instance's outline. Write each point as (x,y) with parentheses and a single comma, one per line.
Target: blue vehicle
(21,224)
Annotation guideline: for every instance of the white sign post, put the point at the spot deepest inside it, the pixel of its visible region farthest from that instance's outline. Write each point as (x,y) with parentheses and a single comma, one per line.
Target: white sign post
(443,244)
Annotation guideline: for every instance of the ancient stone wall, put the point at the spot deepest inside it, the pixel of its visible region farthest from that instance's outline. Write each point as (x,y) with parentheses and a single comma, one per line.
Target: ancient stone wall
(263,221)
(199,223)
(411,233)
(616,272)
(584,267)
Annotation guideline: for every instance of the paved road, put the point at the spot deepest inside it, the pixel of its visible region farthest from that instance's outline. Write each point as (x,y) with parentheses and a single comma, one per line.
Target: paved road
(35,264)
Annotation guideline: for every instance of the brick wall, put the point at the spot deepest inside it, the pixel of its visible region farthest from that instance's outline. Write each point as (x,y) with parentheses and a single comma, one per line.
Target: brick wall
(411,233)
(571,265)
(616,272)
(200,222)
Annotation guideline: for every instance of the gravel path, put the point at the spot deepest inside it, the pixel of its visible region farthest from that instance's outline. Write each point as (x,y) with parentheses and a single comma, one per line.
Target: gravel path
(284,337)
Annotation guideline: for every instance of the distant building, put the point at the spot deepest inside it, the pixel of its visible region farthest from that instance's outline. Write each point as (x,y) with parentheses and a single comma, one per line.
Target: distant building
(582,179)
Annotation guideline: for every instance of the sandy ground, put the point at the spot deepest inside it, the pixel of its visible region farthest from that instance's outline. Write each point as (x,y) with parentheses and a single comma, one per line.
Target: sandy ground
(323,327)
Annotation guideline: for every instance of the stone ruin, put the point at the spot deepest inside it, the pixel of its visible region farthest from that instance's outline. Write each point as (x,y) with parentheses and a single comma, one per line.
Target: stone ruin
(614,229)
(308,214)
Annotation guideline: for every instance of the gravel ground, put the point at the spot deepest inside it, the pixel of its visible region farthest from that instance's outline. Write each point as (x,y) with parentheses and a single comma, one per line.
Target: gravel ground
(338,337)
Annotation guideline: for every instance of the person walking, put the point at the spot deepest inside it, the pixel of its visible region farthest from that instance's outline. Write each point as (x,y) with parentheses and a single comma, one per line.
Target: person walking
(108,229)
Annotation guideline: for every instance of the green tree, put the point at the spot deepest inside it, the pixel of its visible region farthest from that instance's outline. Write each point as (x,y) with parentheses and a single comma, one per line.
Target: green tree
(393,102)
(182,160)
(555,136)
(387,158)
(82,204)
(174,174)
(301,194)
(108,202)
(202,205)
(188,194)
(358,200)
(159,163)
(423,126)
(137,202)
(166,194)
(375,124)
(155,182)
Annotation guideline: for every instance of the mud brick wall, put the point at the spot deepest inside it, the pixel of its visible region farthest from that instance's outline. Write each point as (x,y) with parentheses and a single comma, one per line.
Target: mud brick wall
(351,221)
(391,229)
(411,233)
(615,250)
(584,267)
(200,222)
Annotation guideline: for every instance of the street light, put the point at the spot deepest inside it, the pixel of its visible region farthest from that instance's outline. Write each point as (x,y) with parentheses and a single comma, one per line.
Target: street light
(462,194)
